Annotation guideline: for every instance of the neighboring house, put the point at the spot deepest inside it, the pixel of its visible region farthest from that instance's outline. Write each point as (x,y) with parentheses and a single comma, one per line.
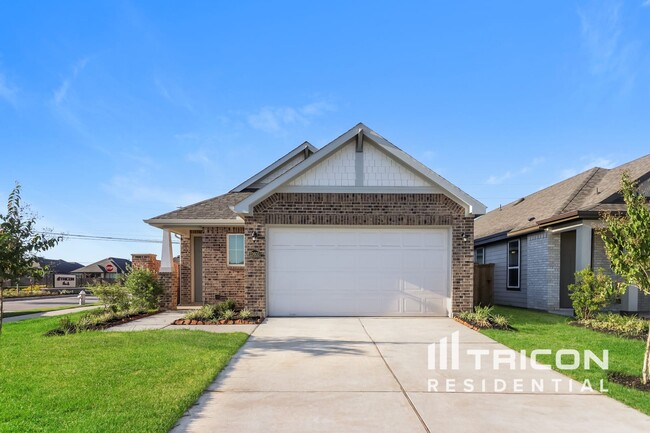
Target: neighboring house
(107,269)
(538,242)
(50,267)
(356,228)
(53,267)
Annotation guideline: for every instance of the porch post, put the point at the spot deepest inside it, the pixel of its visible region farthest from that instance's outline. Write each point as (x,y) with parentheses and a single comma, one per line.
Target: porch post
(166,261)
(583,247)
(167,276)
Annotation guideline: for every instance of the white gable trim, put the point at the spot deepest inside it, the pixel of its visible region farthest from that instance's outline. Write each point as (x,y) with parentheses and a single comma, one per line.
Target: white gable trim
(277,164)
(471,205)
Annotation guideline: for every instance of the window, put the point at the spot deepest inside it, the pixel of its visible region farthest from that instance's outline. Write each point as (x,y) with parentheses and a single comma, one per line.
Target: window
(513,264)
(236,250)
(479,256)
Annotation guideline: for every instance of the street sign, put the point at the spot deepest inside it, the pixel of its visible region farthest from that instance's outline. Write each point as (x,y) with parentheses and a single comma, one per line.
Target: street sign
(65,281)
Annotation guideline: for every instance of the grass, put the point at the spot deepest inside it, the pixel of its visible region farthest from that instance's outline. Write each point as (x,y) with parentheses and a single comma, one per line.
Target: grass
(44,310)
(537,330)
(104,381)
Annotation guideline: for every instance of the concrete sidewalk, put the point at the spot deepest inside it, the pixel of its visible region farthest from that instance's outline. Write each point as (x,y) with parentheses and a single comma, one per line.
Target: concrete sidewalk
(166,319)
(371,374)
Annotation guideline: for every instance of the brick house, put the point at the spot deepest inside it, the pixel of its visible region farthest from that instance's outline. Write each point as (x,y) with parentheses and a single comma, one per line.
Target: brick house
(538,242)
(355,228)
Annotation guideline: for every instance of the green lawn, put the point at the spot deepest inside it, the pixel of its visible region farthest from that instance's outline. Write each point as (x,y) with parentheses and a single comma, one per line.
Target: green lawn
(43,310)
(104,381)
(537,330)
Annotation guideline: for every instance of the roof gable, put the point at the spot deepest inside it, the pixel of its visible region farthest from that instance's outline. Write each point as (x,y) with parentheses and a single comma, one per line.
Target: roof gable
(382,165)
(279,167)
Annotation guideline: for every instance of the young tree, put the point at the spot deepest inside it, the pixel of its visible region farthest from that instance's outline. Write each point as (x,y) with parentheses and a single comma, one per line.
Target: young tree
(627,244)
(19,244)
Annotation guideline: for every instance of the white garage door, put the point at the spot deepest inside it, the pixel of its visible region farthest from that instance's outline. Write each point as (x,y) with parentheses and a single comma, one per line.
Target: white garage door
(358,271)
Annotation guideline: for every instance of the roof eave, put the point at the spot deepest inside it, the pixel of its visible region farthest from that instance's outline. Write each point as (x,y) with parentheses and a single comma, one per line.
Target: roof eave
(183,222)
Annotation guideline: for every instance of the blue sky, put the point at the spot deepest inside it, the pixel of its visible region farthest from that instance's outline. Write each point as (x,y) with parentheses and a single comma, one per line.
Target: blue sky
(112,112)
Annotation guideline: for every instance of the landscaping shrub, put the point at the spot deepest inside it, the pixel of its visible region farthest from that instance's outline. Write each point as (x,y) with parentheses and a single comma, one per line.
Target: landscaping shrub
(484,318)
(624,326)
(228,314)
(144,288)
(205,313)
(592,291)
(114,296)
(220,311)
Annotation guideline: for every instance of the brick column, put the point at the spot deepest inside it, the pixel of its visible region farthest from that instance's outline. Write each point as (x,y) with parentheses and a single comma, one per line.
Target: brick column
(255,278)
(170,285)
(462,265)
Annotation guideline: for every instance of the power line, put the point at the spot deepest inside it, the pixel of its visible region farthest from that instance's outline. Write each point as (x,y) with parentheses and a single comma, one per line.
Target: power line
(104,238)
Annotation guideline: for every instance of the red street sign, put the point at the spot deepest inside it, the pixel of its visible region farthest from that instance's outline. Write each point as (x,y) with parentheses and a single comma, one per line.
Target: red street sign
(109,268)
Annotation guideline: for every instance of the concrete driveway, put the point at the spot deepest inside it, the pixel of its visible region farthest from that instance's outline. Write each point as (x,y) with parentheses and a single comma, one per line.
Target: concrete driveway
(371,374)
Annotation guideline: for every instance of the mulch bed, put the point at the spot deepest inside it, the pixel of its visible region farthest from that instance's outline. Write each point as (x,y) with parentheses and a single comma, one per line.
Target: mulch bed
(251,321)
(475,327)
(108,324)
(626,380)
(126,320)
(469,325)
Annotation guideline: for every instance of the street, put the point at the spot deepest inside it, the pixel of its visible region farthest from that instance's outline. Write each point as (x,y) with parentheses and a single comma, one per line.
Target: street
(23,304)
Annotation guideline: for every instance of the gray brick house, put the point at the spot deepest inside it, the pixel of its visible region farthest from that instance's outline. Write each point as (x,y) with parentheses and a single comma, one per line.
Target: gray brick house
(538,242)
(357,227)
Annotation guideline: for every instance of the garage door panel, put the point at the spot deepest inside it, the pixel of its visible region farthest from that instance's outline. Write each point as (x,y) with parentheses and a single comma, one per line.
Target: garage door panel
(357,271)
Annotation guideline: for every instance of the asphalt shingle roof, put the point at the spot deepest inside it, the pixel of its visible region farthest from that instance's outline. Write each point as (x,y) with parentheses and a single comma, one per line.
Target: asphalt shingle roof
(212,208)
(587,191)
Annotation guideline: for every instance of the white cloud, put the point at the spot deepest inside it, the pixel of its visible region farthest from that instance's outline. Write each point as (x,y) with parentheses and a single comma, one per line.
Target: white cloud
(7,91)
(501,178)
(61,92)
(612,55)
(136,188)
(199,157)
(276,119)
(588,162)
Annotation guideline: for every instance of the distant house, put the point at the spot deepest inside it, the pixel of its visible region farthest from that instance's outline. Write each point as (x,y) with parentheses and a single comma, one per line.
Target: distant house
(56,266)
(51,267)
(106,269)
(538,242)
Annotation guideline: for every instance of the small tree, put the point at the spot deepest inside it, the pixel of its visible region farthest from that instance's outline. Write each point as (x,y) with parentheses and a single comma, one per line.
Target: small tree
(19,244)
(592,291)
(627,244)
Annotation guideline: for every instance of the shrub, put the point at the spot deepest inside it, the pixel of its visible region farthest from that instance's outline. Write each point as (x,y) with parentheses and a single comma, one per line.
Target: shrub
(245,314)
(484,318)
(144,288)
(66,326)
(624,326)
(205,313)
(113,296)
(228,304)
(228,314)
(591,292)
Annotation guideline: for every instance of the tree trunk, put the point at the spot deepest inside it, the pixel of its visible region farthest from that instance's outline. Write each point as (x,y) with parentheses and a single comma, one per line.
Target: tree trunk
(646,359)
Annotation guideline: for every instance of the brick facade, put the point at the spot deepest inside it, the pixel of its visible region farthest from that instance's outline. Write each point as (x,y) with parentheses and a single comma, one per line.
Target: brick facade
(352,209)
(147,261)
(220,281)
